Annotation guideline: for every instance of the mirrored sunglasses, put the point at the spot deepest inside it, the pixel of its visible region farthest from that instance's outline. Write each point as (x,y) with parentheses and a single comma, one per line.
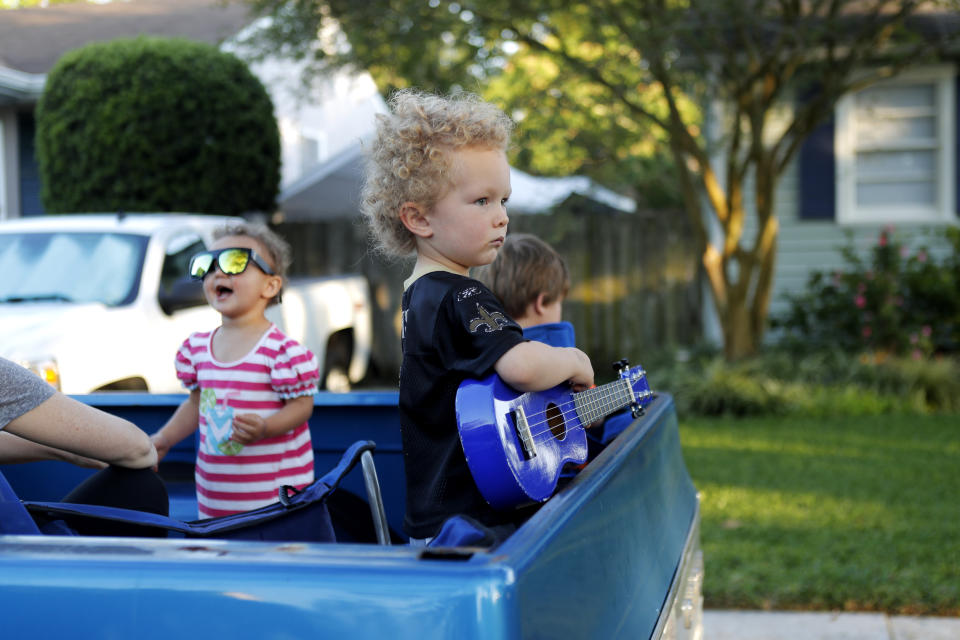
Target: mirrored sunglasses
(232,261)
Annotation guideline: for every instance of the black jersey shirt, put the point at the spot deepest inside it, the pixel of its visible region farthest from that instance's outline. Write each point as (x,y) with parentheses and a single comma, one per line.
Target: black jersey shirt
(453,328)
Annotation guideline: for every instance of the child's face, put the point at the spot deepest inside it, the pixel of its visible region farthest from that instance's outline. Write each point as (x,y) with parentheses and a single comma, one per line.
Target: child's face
(469,224)
(243,294)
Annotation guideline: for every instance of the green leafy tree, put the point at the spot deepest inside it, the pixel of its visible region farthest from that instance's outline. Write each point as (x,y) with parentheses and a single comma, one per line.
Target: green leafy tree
(599,82)
(156,124)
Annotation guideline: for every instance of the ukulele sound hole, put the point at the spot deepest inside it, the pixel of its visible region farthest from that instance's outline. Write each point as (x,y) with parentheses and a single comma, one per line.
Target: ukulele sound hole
(555,421)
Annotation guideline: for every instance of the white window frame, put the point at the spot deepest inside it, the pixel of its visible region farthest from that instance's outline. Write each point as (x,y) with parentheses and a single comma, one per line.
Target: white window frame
(3,172)
(943,78)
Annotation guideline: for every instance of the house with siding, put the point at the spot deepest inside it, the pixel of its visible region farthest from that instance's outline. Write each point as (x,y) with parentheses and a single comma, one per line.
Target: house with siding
(886,159)
(31,41)
(319,123)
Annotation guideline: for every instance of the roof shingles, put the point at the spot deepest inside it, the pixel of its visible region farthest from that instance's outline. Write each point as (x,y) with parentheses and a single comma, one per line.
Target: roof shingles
(32,40)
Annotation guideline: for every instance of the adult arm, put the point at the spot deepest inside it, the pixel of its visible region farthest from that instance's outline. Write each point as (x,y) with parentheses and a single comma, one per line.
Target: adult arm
(72,427)
(15,450)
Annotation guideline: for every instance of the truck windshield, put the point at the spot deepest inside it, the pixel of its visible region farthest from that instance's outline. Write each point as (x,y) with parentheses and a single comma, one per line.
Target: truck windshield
(70,267)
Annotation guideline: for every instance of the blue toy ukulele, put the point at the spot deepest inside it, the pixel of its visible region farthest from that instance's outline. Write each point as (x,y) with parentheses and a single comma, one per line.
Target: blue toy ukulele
(516,444)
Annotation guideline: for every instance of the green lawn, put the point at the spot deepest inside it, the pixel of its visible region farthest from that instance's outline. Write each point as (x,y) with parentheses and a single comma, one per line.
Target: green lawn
(829,513)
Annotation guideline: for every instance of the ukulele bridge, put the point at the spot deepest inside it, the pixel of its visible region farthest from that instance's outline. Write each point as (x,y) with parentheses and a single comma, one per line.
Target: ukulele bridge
(523,433)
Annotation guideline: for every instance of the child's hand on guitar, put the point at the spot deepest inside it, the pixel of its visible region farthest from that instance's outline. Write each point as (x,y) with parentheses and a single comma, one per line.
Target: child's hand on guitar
(583,370)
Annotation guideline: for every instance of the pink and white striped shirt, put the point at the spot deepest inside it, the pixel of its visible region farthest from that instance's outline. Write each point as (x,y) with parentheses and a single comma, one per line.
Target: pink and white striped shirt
(230,477)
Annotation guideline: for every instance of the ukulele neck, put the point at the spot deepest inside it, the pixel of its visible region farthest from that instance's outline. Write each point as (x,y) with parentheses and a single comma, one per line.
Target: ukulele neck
(593,404)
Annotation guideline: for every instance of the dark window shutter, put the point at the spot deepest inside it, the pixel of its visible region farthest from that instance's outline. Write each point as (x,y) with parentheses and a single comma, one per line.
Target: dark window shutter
(956,147)
(818,175)
(30,204)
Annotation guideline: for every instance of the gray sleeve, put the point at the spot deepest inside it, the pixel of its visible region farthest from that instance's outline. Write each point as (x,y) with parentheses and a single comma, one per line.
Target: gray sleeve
(20,391)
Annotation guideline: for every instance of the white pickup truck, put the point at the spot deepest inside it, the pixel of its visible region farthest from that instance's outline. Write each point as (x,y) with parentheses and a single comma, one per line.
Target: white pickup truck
(96,302)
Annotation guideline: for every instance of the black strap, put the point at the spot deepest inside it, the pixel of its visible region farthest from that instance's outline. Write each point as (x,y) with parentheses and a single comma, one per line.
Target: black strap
(318,490)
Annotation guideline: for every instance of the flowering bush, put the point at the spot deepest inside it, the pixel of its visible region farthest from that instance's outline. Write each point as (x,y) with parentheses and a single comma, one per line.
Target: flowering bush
(893,302)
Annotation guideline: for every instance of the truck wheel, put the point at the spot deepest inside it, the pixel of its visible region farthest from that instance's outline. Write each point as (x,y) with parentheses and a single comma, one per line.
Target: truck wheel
(337,380)
(127,384)
(336,366)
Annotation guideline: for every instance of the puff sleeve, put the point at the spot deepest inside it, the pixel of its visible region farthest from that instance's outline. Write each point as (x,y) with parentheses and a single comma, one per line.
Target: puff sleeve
(186,366)
(295,371)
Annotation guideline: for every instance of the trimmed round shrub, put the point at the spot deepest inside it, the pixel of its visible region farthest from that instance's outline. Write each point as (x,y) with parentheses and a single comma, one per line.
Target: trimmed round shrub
(156,124)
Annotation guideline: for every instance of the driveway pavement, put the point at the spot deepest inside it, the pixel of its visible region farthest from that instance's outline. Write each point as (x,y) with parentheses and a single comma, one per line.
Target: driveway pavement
(790,625)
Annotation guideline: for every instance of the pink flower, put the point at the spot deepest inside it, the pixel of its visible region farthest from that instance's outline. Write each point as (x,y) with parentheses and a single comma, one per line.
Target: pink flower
(867,331)
(921,256)
(926,331)
(913,338)
(904,252)
(860,301)
(916,354)
(883,239)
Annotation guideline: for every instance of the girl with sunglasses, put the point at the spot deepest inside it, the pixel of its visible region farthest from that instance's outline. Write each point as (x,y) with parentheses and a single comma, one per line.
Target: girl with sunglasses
(251,387)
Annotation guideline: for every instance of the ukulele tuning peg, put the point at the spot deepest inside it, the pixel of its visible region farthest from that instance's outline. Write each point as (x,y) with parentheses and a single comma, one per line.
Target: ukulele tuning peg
(621,365)
(636,410)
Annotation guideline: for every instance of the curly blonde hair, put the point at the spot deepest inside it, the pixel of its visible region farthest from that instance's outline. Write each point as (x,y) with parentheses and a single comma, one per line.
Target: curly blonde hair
(410,157)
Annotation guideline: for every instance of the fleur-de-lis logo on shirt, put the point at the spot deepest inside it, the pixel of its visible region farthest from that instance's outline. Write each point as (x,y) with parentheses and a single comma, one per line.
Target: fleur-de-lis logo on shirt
(469,292)
(491,321)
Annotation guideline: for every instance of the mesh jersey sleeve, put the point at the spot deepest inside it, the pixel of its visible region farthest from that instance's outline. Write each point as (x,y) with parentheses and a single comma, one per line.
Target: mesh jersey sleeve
(477,332)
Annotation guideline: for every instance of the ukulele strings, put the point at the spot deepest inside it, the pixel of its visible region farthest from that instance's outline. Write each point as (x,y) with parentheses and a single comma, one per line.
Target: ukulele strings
(565,411)
(564,414)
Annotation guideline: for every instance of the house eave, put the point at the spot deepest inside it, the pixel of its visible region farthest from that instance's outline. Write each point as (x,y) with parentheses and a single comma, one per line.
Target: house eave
(19,87)
(332,190)
(329,190)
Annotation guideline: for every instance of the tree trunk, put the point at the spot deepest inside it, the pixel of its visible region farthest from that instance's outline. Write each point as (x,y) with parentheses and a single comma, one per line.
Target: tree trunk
(742,305)
(740,338)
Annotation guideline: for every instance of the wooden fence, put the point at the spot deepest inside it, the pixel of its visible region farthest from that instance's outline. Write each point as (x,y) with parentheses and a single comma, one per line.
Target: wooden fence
(635,281)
